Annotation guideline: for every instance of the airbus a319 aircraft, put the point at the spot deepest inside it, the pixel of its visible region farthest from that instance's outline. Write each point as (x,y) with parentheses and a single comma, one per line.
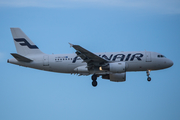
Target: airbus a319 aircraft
(112,66)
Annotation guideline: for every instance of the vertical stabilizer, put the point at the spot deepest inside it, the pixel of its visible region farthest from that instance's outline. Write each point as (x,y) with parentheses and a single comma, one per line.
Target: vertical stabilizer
(24,45)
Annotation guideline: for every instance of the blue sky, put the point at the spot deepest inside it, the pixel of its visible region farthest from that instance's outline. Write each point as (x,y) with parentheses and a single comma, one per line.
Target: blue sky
(99,26)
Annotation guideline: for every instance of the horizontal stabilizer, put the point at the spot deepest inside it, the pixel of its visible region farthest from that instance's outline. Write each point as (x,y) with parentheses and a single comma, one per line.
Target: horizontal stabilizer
(20,57)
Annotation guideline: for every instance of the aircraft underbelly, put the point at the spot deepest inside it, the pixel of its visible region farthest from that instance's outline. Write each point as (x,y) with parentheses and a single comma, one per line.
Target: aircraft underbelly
(137,66)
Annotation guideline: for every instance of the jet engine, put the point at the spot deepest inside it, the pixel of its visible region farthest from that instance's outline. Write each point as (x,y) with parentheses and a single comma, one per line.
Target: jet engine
(115,77)
(117,67)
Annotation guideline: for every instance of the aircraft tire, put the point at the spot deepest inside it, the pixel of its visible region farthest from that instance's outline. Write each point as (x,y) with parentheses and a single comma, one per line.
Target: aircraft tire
(149,79)
(94,77)
(94,83)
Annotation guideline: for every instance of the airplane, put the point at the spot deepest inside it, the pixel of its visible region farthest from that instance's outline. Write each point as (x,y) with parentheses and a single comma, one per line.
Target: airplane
(112,66)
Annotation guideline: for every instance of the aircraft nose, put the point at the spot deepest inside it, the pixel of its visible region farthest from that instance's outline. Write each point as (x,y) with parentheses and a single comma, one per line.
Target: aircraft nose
(170,63)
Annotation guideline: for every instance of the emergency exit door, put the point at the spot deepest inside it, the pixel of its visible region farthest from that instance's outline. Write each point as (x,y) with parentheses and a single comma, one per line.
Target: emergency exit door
(46,60)
(148,57)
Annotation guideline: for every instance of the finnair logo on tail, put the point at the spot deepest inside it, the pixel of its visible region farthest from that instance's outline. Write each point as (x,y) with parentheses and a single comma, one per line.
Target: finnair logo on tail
(24,42)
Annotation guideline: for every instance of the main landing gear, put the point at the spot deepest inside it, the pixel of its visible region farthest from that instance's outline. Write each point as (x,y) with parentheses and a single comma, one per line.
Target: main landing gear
(148,73)
(94,82)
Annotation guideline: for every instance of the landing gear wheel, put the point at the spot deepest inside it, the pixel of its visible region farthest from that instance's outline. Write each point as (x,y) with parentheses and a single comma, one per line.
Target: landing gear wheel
(94,83)
(149,79)
(148,73)
(94,77)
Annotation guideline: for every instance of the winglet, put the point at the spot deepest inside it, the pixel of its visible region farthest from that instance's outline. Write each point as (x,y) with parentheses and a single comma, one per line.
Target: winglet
(71,45)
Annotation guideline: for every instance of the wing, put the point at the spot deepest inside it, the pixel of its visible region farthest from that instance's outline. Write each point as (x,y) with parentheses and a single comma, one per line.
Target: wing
(90,58)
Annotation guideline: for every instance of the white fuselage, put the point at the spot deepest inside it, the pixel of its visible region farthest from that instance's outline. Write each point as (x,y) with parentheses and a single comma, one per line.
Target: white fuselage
(68,63)
(112,66)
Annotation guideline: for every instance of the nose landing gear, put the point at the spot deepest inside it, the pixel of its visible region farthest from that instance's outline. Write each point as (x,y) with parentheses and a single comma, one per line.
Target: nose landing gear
(148,73)
(94,82)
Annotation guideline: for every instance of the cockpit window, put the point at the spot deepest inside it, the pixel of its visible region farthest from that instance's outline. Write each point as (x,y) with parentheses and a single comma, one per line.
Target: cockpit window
(161,56)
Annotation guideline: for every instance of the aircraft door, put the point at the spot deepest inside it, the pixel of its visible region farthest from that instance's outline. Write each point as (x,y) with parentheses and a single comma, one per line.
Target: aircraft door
(46,60)
(148,57)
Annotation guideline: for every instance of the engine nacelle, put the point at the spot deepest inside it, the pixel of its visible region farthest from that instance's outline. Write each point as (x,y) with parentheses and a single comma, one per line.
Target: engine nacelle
(117,67)
(115,77)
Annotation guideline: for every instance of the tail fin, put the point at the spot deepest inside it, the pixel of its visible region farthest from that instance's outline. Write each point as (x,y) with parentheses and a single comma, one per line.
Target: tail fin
(24,45)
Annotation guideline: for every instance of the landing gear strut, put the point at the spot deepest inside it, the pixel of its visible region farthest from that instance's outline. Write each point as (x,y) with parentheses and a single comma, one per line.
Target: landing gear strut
(94,82)
(148,73)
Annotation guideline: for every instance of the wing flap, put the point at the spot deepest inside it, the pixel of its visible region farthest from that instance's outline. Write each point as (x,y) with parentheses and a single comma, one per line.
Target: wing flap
(20,57)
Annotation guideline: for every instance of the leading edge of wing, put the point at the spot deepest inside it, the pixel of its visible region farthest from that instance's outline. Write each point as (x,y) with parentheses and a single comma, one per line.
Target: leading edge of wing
(87,55)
